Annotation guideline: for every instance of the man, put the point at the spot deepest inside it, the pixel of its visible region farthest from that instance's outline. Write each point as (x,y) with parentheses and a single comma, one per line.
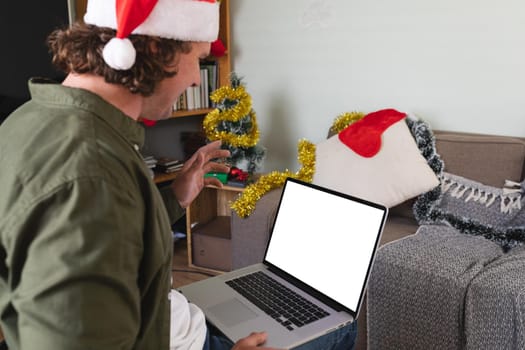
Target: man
(85,238)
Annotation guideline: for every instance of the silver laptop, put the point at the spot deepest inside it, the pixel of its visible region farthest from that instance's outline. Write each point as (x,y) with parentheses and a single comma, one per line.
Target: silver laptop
(321,250)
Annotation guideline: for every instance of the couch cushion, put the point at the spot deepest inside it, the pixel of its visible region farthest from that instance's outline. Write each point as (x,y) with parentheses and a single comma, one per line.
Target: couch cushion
(488,159)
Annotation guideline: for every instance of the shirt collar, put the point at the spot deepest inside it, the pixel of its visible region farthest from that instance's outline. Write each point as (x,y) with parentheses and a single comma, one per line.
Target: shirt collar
(47,91)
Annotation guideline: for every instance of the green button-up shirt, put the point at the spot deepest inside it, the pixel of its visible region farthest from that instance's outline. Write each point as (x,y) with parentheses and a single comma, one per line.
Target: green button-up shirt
(85,240)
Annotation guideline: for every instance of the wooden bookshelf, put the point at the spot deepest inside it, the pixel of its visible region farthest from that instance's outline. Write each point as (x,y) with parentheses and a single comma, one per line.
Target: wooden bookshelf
(80,8)
(191,112)
(223,63)
(163,177)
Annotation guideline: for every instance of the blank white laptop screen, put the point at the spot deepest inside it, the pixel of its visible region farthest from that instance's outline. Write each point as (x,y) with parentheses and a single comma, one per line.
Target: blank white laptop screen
(325,240)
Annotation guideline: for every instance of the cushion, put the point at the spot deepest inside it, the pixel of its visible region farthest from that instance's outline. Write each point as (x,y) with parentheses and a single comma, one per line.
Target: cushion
(395,174)
(489,159)
(473,208)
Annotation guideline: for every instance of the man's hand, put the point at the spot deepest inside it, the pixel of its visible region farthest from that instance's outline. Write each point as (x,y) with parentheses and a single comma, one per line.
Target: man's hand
(190,180)
(253,341)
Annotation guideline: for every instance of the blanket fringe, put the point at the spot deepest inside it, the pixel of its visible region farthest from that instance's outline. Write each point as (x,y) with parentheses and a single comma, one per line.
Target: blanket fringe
(509,198)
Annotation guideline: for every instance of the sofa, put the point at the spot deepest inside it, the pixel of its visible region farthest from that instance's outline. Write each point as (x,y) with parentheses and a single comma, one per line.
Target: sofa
(384,321)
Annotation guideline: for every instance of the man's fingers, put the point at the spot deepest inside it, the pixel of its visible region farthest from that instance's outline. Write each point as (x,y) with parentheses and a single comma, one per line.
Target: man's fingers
(213,144)
(259,337)
(255,339)
(205,150)
(198,161)
(212,181)
(208,166)
(213,150)
(219,153)
(216,168)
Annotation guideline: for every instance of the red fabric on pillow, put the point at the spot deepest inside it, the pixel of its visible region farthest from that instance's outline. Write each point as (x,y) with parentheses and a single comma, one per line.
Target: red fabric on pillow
(364,136)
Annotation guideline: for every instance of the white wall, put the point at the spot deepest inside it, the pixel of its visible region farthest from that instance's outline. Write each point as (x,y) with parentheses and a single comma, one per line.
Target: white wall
(459,64)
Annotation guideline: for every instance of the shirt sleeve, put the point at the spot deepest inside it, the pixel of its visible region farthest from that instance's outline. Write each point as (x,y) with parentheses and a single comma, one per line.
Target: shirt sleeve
(175,211)
(75,259)
(188,324)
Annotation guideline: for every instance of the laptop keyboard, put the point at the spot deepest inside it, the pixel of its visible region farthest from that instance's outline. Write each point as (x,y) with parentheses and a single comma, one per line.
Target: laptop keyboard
(281,303)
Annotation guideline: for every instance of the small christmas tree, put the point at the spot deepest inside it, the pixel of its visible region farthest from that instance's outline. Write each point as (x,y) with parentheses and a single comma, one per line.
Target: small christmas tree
(234,122)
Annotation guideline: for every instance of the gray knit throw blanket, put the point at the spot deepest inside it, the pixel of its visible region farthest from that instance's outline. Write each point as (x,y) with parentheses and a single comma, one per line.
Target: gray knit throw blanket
(441,289)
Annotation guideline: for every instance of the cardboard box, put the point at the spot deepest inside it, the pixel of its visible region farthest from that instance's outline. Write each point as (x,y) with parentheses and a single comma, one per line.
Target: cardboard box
(211,244)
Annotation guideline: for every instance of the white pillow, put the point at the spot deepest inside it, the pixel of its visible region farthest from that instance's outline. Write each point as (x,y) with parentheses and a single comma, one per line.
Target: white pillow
(395,174)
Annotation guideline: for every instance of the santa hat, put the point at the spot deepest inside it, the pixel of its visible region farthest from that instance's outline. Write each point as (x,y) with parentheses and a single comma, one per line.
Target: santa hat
(187,20)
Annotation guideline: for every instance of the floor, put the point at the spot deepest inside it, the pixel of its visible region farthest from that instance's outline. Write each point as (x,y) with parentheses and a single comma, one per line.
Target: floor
(182,274)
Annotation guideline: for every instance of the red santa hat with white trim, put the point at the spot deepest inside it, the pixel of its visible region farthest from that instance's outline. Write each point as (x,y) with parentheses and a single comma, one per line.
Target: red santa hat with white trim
(187,20)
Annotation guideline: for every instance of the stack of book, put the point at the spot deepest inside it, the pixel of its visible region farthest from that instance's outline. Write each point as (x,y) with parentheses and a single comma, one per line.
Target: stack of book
(168,165)
(150,161)
(237,183)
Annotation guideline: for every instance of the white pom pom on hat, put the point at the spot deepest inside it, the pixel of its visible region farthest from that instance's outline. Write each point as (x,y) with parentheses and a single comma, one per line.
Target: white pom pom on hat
(119,54)
(187,20)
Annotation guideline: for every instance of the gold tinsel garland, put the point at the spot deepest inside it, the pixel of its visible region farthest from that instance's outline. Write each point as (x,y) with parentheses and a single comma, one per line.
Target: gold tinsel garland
(345,119)
(234,114)
(245,204)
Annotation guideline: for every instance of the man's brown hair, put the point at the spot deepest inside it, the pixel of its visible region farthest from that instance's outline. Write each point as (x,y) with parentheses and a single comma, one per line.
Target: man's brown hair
(78,49)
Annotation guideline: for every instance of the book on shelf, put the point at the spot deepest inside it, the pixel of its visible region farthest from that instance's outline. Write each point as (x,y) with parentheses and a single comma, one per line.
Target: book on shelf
(150,161)
(204,89)
(168,165)
(181,104)
(197,102)
(236,183)
(212,70)
(169,169)
(168,161)
(239,182)
(197,97)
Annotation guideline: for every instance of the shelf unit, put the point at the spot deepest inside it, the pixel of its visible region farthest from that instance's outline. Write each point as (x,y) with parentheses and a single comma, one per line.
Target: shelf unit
(164,177)
(80,8)
(223,63)
(190,113)
(211,210)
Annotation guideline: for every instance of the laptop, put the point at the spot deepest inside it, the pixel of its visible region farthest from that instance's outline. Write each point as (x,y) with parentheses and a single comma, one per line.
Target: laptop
(321,250)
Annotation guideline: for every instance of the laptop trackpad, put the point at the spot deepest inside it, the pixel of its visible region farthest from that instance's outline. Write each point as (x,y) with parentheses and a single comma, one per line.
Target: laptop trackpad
(232,312)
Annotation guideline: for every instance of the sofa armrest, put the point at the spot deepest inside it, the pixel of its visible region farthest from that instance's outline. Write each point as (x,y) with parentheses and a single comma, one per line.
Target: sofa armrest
(249,236)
